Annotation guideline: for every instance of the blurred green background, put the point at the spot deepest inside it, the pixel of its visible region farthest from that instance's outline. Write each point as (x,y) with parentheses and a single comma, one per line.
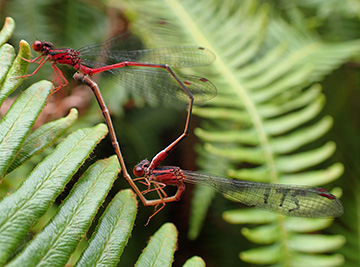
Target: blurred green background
(143,130)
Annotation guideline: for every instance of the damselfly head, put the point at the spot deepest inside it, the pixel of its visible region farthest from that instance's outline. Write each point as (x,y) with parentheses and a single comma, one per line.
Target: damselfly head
(39,46)
(139,169)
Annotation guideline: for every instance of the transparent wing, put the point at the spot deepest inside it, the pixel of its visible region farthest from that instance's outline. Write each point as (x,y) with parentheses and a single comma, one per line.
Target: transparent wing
(289,200)
(159,86)
(182,56)
(154,84)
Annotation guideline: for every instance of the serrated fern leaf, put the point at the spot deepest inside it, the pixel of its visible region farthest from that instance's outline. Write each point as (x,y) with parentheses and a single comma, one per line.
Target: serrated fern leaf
(27,204)
(266,116)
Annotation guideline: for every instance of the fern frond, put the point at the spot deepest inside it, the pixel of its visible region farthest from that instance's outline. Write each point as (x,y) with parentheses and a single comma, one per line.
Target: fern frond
(29,207)
(267,112)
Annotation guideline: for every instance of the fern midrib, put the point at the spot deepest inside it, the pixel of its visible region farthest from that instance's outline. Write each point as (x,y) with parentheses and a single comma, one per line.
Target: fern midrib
(15,124)
(44,180)
(227,73)
(78,208)
(187,21)
(249,105)
(239,89)
(113,228)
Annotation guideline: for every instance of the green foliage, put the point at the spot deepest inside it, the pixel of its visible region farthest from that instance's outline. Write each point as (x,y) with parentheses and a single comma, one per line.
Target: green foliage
(160,250)
(10,67)
(112,233)
(74,215)
(194,262)
(42,138)
(15,125)
(33,201)
(7,30)
(264,122)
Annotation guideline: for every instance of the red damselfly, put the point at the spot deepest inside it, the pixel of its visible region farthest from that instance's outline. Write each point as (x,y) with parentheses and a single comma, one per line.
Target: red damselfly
(136,70)
(291,200)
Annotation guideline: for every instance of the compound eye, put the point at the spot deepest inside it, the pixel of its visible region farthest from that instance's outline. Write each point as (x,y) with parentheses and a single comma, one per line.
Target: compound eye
(37,46)
(138,171)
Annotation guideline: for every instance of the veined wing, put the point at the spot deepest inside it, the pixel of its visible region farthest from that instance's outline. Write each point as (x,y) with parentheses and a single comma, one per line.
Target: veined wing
(159,86)
(291,200)
(181,56)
